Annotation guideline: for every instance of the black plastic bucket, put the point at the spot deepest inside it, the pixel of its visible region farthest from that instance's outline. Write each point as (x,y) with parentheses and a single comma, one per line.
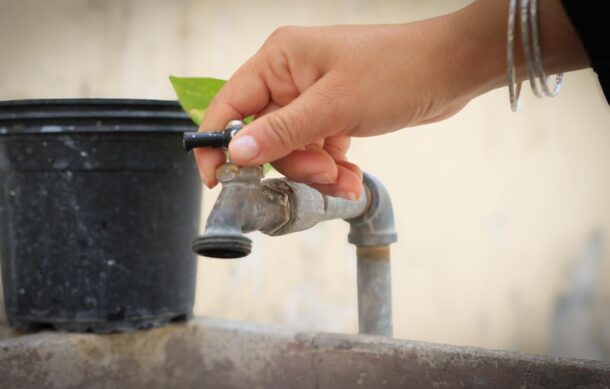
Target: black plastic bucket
(98,207)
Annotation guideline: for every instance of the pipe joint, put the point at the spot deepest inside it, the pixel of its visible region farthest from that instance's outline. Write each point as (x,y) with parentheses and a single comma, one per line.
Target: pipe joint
(375,226)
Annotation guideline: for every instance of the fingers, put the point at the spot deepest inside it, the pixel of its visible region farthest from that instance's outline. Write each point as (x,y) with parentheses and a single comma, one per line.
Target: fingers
(311,166)
(348,184)
(349,177)
(244,94)
(316,166)
(300,136)
(311,116)
(337,147)
(322,164)
(208,160)
(352,167)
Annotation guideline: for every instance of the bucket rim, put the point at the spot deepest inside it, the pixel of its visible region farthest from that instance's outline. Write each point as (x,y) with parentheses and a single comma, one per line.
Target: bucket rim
(87,100)
(92,115)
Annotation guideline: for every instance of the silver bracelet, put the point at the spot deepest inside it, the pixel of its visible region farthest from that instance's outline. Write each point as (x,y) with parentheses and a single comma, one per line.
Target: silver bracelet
(513,90)
(527,51)
(528,17)
(538,54)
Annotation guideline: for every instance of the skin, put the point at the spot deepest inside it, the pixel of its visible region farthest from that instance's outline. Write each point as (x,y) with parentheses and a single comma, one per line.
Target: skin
(313,88)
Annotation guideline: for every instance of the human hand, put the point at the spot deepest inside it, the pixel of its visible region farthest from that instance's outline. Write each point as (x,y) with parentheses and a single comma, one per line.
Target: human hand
(312,89)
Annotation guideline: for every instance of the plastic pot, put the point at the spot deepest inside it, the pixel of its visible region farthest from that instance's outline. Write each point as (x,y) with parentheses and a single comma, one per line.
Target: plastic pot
(98,207)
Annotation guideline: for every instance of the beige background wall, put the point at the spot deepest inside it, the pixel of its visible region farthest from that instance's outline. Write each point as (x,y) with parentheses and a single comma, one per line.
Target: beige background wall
(503,218)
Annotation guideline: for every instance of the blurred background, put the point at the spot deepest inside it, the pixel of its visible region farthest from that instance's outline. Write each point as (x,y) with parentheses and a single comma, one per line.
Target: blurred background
(503,218)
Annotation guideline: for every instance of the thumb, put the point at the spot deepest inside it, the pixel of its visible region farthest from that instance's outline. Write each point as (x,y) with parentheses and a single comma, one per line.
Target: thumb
(311,116)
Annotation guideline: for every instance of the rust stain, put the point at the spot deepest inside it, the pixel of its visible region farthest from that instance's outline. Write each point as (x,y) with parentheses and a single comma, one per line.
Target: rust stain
(374,253)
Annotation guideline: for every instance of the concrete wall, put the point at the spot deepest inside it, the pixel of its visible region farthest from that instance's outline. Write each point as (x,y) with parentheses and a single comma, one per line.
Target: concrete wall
(503,218)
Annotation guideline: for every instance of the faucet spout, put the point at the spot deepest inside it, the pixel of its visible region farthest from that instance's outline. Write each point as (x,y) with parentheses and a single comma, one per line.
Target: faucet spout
(274,207)
(242,206)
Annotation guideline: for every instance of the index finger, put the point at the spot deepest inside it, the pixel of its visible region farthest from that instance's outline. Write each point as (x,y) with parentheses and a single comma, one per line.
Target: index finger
(244,94)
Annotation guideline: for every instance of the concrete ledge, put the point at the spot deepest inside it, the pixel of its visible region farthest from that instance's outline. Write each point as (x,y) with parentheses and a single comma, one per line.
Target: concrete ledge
(213,353)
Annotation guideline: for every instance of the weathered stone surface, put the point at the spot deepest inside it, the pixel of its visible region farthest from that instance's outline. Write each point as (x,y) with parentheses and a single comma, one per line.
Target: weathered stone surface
(213,353)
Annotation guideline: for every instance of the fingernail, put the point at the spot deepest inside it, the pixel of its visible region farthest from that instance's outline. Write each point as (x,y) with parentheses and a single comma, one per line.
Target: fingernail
(244,148)
(321,178)
(346,195)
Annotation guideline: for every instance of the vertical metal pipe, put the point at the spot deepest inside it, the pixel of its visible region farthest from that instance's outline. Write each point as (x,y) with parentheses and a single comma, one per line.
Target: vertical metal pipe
(372,233)
(374,290)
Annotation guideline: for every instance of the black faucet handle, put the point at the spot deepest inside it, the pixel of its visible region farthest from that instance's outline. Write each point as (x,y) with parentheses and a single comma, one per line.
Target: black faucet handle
(215,139)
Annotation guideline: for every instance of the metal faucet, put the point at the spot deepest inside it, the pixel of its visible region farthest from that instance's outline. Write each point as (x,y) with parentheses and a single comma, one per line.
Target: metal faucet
(279,207)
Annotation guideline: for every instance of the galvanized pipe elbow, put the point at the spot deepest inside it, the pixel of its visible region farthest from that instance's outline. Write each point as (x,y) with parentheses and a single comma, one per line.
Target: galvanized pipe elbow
(375,226)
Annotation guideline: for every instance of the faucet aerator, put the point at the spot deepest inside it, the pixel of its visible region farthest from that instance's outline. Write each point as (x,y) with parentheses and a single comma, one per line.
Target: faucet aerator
(225,247)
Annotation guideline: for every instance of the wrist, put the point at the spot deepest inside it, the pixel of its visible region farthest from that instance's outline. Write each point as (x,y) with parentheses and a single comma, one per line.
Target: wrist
(480,34)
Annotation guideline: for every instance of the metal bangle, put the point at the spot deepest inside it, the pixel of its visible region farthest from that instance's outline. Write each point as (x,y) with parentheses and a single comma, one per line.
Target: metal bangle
(539,68)
(527,49)
(514,89)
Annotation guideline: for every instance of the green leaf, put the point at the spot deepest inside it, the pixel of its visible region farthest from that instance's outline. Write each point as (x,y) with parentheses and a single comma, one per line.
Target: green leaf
(196,115)
(267,168)
(195,94)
